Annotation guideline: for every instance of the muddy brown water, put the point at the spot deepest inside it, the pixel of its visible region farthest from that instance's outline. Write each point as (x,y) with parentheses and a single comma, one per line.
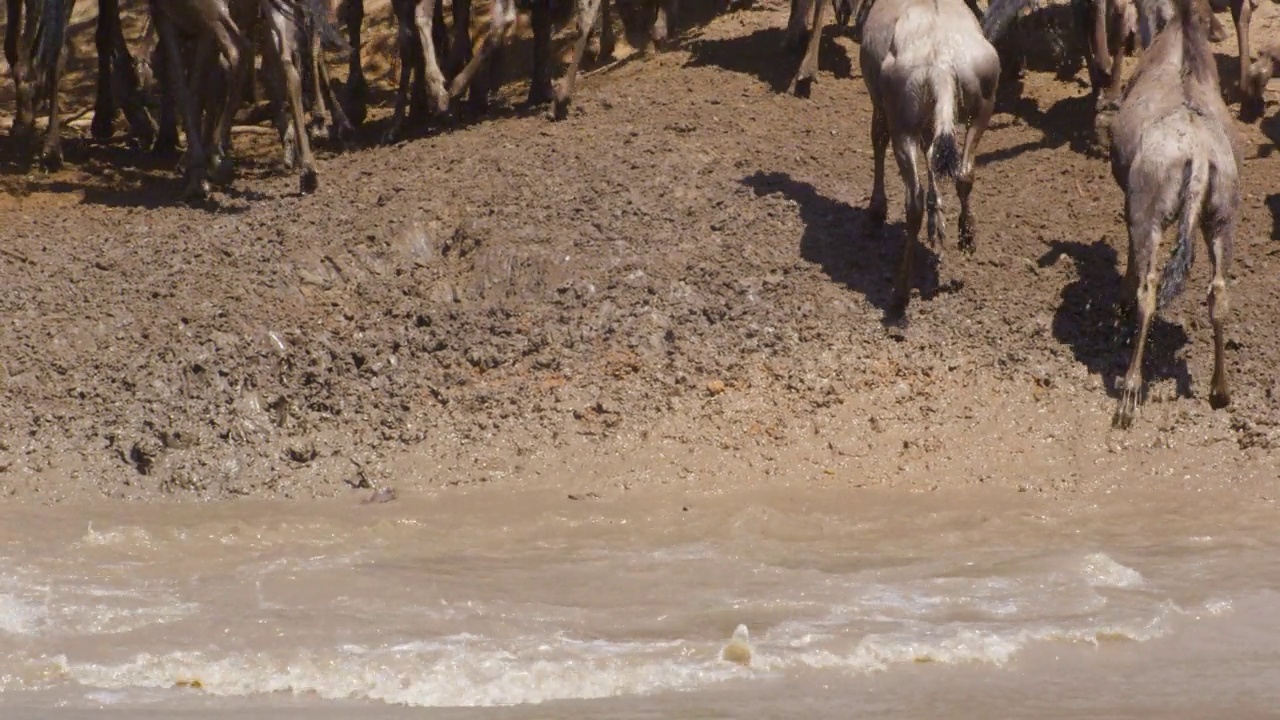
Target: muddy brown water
(482,603)
(666,307)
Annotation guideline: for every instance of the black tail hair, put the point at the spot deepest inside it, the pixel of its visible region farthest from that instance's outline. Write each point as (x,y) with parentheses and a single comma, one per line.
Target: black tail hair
(1174,278)
(946,156)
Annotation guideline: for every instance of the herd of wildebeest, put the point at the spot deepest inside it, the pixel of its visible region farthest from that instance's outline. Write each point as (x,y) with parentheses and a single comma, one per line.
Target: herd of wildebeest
(930,67)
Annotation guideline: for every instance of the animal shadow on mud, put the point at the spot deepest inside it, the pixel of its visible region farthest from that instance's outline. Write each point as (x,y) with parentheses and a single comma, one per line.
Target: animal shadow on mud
(845,242)
(761,55)
(1068,122)
(1094,321)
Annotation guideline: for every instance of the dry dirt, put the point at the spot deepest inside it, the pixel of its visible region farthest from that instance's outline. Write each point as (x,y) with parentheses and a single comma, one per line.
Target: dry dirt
(677,285)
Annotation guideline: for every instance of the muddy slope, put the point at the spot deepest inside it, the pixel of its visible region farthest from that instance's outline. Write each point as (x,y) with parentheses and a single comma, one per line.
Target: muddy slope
(680,277)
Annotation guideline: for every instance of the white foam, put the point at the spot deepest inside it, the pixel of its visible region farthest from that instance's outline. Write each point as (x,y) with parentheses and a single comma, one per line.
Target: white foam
(122,536)
(467,670)
(424,676)
(18,617)
(1102,571)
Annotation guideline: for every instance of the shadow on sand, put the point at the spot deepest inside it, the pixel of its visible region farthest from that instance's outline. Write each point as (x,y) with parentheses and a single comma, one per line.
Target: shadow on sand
(845,242)
(1092,321)
(762,56)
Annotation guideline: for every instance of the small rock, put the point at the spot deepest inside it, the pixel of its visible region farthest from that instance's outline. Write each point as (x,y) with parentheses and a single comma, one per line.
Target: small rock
(739,648)
(715,387)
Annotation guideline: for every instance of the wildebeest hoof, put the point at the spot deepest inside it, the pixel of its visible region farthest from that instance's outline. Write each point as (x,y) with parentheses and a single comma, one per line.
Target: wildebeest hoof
(896,314)
(197,189)
(166,145)
(51,159)
(560,110)
(541,93)
(440,104)
(309,182)
(221,170)
(801,86)
(1219,397)
(1127,410)
(968,244)
(100,128)
(1252,107)
(877,213)
(22,133)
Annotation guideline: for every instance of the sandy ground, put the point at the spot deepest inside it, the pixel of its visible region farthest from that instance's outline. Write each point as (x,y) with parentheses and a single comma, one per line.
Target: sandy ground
(676,285)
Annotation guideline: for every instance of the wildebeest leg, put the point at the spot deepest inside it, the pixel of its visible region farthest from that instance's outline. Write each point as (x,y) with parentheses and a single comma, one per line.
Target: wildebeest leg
(540,90)
(879,206)
(1093,15)
(795,38)
(843,11)
(1220,240)
(602,48)
(906,152)
(104,110)
(238,52)
(564,94)
(664,24)
(12,29)
(274,83)
(340,128)
(964,179)
(1251,104)
(1129,284)
(502,16)
(166,143)
(20,36)
(357,88)
(460,45)
(409,50)
(197,186)
(12,35)
(808,71)
(1217,33)
(125,88)
(281,47)
(209,84)
(1110,97)
(935,224)
(424,14)
(326,116)
(51,155)
(1145,233)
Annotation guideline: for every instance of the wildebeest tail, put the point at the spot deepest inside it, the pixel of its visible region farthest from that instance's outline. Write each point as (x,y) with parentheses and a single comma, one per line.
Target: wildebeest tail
(944,153)
(53,32)
(999,14)
(1196,178)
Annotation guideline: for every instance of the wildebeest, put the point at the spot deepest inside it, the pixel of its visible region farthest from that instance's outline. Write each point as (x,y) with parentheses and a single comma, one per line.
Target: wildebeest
(918,58)
(34,37)
(289,32)
(1175,154)
(221,37)
(207,24)
(804,29)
